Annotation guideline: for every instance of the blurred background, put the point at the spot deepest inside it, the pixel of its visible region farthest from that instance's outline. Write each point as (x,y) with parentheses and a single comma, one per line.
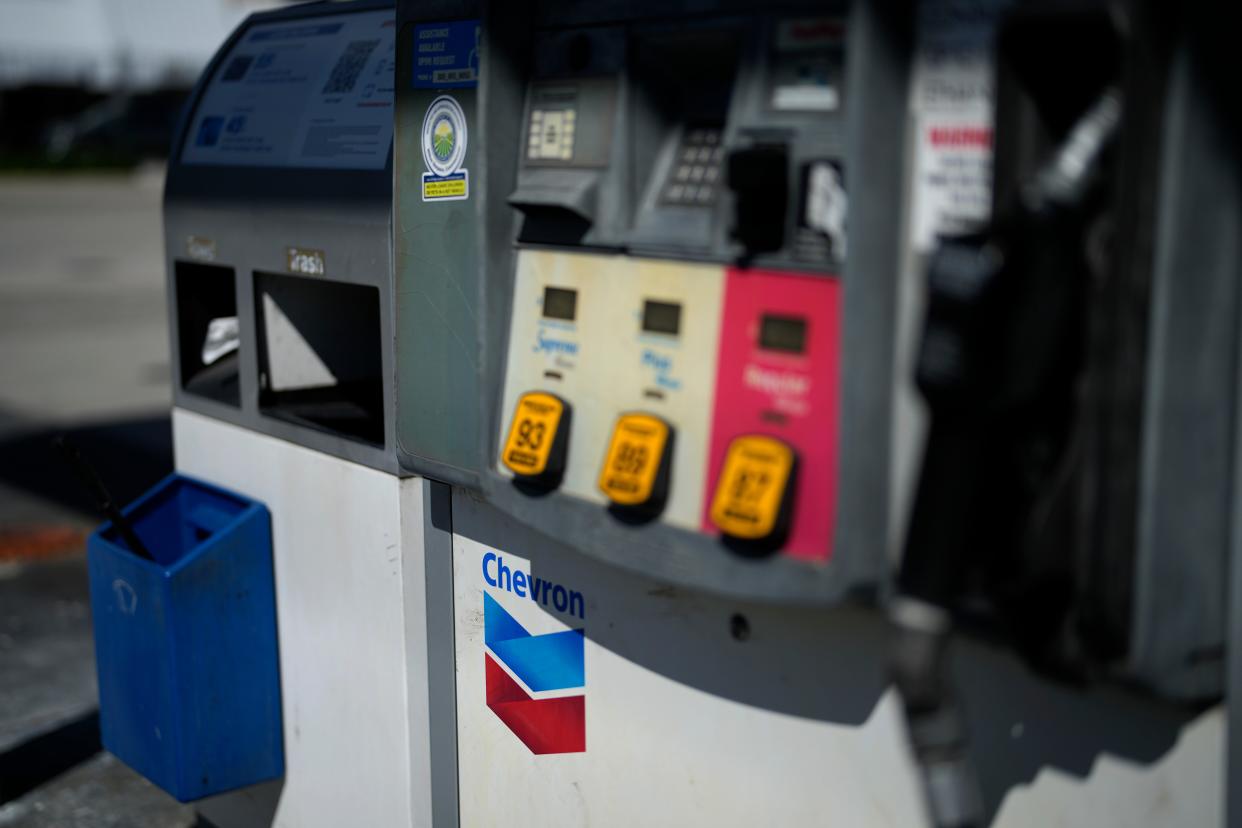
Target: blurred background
(90,93)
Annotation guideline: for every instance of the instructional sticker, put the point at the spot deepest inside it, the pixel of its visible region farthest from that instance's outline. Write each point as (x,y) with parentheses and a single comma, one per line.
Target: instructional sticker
(446,55)
(444,151)
(301,94)
(952,101)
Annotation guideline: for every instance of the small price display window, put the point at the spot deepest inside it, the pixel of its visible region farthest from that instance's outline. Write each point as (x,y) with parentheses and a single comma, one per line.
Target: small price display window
(560,303)
(752,495)
(635,470)
(786,334)
(661,317)
(538,436)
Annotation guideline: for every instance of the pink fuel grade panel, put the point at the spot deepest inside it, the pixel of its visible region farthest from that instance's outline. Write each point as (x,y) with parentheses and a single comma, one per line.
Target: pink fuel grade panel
(777,374)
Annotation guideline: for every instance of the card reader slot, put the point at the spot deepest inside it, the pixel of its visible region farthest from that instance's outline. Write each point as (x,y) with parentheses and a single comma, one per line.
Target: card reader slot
(559,205)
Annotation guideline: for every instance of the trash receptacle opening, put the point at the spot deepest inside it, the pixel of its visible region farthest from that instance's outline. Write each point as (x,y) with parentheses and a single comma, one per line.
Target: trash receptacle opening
(175,519)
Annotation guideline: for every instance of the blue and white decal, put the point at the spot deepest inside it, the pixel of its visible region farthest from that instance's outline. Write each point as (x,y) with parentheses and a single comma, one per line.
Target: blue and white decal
(446,55)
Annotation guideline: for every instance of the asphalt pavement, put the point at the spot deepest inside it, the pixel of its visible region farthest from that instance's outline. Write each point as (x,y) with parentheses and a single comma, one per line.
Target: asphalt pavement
(83,352)
(83,333)
(83,329)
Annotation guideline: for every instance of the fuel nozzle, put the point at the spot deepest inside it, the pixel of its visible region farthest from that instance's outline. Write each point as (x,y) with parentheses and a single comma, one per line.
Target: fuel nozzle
(935,721)
(1001,355)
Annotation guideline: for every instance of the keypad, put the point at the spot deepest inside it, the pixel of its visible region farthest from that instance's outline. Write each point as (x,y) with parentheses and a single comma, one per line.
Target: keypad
(694,177)
(551,135)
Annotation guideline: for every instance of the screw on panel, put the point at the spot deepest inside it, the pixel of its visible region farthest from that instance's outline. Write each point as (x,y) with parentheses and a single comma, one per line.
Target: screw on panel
(739,627)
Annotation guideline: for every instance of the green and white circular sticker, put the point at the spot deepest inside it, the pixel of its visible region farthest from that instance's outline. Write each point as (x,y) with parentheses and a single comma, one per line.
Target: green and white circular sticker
(444,136)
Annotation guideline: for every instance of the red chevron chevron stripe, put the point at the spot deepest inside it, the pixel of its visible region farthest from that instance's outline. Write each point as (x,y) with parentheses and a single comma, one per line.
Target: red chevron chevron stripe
(555,725)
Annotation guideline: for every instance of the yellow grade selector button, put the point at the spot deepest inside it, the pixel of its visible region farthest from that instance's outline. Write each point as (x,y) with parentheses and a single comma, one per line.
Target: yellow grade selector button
(752,493)
(635,471)
(538,437)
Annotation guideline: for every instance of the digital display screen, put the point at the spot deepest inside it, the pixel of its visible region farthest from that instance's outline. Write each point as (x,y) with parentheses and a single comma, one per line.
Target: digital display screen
(661,317)
(782,333)
(560,303)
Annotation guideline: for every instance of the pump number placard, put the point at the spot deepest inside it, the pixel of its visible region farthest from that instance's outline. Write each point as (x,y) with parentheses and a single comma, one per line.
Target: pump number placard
(634,457)
(752,486)
(535,421)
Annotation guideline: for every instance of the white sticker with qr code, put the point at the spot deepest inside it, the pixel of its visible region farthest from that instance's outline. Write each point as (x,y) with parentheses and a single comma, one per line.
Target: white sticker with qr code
(313,92)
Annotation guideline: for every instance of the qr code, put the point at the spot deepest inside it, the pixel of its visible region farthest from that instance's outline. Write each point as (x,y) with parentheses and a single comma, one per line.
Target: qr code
(349,67)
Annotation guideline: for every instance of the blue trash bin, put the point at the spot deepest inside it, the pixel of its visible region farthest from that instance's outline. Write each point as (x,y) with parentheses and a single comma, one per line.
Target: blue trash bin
(185,645)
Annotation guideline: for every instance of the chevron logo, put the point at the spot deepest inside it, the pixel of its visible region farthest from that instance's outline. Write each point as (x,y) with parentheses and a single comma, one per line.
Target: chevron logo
(527,676)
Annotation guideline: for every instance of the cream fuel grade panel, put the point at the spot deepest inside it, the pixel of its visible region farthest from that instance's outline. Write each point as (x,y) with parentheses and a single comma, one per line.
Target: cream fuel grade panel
(681,368)
(562,356)
(603,364)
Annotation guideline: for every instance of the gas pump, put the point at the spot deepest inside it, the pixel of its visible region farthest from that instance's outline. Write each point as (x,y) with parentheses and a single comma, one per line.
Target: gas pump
(563,342)
(662,349)
(643,280)
(655,305)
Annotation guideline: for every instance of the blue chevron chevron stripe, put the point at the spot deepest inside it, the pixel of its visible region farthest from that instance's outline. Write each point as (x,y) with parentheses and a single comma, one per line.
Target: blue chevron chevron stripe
(543,662)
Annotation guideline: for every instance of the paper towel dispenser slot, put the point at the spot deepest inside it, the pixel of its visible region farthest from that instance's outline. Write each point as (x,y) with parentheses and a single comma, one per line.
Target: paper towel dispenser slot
(207,331)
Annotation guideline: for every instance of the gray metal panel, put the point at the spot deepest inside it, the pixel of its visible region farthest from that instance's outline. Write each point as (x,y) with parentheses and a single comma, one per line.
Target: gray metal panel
(441,654)
(1186,499)
(878,73)
(252,237)
(433,336)
(703,234)
(252,214)
(436,247)
(506,35)
(603,95)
